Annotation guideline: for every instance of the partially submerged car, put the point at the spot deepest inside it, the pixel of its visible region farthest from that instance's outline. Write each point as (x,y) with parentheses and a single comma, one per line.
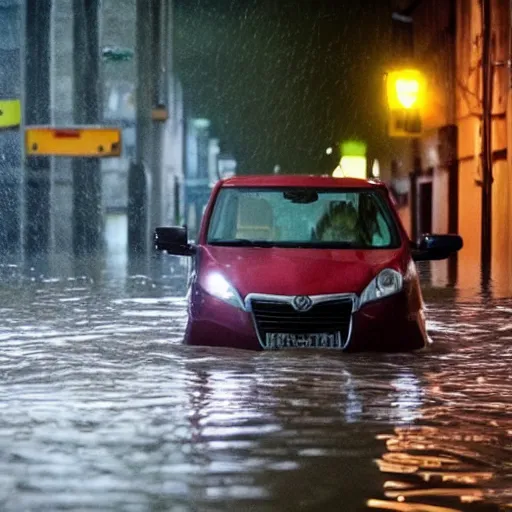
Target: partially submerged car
(304,261)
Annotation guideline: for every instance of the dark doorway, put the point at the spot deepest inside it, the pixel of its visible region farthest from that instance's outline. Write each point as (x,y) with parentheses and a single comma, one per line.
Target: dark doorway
(425,208)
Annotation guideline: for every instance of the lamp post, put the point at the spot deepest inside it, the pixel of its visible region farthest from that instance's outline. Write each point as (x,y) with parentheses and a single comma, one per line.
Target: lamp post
(487,72)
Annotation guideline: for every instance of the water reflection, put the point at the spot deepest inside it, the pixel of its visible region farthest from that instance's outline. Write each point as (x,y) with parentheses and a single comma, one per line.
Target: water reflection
(426,464)
(266,420)
(453,458)
(104,409)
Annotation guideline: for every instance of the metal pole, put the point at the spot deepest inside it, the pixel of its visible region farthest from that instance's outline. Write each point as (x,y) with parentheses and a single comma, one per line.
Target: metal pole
(37,186)
(138,179)
(145,180)
(487,178)
(161,65)
(23,73)
(452,140)
(87,208)
(159,70)
(163,50)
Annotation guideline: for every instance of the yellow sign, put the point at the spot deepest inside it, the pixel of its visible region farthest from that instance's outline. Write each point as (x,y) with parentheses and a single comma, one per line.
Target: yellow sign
(406,93)
(82,141)
(10,113)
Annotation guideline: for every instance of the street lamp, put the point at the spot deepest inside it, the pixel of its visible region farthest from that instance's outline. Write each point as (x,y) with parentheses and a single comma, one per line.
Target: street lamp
(406,101)
(407,92)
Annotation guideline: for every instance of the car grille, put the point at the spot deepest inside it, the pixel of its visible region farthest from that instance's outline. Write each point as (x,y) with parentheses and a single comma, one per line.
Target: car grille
(332,316)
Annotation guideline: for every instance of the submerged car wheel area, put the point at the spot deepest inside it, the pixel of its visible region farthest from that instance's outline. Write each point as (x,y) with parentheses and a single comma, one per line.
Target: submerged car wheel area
(304,262)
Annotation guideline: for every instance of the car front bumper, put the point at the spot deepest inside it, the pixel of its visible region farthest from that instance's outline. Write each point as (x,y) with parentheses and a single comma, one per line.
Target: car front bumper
(383,325)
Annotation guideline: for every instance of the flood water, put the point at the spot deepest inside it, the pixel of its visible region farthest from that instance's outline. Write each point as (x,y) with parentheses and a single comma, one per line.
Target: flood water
(102,408)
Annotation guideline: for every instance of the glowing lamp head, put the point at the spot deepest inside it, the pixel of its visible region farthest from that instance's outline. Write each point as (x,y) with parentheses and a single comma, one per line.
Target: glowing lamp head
(405,89)
(407,92)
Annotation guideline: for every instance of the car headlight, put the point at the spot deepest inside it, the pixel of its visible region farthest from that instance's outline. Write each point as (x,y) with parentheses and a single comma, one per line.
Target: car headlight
(218,286)
(386,283)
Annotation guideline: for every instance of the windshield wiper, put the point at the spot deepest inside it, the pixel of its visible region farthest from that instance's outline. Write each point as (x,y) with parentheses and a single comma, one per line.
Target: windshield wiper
(242,242)
(333,245)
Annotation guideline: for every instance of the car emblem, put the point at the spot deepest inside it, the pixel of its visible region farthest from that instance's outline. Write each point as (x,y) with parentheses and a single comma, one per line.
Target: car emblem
(302,303)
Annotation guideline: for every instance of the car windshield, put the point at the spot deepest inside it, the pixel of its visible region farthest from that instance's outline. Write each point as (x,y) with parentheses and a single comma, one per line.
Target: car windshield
(302,217)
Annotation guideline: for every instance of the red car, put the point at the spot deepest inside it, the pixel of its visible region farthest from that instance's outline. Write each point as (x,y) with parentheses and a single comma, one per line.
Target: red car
(304,261)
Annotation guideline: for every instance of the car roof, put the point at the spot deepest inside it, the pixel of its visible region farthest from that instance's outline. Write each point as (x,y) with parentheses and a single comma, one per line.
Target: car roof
(296,180)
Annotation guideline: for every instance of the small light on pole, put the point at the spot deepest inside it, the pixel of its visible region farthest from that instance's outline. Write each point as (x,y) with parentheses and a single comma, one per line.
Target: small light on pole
(376,169)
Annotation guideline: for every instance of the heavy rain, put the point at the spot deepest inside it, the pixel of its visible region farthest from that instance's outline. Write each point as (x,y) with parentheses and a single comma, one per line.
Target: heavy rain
(103,407)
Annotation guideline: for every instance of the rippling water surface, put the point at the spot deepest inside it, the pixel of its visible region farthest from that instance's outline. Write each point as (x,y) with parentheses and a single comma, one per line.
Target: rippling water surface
(102,408)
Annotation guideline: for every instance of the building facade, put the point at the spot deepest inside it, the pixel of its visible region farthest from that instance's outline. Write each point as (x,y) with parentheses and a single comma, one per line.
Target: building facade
(52,99)
(10,151)
(189,154)
(445,163)
(469,98)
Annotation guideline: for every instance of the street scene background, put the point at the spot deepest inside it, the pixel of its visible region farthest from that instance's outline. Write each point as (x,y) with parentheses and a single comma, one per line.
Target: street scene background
(103,407)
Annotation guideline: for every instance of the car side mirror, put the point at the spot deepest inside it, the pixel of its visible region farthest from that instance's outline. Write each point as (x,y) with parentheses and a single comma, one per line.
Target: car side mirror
(436,247)
(173,240)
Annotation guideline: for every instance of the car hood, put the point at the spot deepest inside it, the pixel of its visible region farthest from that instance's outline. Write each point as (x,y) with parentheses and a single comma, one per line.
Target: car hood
(284,271)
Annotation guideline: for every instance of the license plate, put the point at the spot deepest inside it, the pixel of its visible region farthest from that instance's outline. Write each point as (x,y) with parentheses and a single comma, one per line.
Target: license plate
(279,340)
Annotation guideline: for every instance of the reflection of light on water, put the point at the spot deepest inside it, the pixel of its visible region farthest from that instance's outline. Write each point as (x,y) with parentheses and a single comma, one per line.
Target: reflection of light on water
(408,507)
(405,400)
(408,399)
(431,467)
(224,419)
(354,407)
(466,495)
(405,463)
(220,408)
